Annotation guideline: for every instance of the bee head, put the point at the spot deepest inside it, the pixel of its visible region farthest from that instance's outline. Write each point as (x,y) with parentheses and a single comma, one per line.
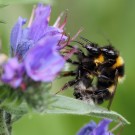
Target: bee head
(93,49)
(109,52)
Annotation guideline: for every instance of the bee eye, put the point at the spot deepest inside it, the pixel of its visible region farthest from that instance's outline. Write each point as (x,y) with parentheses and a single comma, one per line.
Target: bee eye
(111,53)
(94,50)
(104,50)
(108,52)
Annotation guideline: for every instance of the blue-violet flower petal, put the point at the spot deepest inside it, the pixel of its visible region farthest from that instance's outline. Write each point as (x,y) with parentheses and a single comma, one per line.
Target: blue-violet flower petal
(43,62)
(93,129)
(16,34)
(22,39)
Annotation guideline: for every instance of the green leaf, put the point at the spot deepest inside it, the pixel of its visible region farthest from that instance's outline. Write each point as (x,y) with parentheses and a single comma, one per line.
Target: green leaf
(16,112)
(19,110)
(6,2)
(66,105)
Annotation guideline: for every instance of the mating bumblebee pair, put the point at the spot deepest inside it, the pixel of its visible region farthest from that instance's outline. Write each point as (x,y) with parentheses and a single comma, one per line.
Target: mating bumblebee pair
(103,63)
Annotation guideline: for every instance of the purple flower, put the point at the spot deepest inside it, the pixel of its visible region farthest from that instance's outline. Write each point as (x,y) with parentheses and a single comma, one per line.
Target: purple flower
(93,129)
(22,39)
(43,62)
(13,72)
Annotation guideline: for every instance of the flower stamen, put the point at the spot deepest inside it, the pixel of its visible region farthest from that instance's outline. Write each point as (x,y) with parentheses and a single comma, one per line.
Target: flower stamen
(76,35)
(32,16)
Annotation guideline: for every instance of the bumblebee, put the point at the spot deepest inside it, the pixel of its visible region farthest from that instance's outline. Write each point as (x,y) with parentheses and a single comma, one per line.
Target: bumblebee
(110,72)
(103,63)
(86,66)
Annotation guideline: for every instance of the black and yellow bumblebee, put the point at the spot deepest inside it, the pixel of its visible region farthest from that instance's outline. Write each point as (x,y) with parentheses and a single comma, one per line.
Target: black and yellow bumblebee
(110,72)
(103,63)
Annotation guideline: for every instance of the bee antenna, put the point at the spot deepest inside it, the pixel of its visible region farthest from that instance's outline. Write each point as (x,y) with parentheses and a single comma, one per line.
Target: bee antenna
(108,40)
(105,35)
(82,44)
(85,39)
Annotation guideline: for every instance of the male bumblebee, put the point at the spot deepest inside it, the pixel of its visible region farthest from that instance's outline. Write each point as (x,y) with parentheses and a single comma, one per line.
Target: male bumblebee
(103,63)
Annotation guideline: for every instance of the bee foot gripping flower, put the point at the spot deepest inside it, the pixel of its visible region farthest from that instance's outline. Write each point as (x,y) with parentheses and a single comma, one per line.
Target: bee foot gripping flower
(93,129)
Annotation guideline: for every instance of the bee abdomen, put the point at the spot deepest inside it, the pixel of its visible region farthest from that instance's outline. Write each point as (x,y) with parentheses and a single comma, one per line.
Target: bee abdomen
(121,73)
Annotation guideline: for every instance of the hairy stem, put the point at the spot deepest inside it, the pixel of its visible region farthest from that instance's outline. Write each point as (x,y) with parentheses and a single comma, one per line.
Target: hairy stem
(8,122)
(3,125)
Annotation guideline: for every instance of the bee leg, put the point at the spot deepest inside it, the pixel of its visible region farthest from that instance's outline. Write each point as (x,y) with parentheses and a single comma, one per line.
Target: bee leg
(97,98)
(72,82)
(100,95)
(78,95)
(73,62)
(103,77)
(68,84)
(103,93)
(68,73)
(100,100)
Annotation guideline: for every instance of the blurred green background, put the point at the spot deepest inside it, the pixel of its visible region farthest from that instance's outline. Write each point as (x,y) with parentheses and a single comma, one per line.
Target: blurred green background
(101,20)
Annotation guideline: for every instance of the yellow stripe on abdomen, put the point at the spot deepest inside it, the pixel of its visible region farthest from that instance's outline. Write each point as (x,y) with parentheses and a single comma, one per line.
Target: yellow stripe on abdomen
(119,62)
(111,88)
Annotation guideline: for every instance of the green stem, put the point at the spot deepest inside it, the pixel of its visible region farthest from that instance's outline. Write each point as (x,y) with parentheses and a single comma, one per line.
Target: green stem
(8,121)
(3,125)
